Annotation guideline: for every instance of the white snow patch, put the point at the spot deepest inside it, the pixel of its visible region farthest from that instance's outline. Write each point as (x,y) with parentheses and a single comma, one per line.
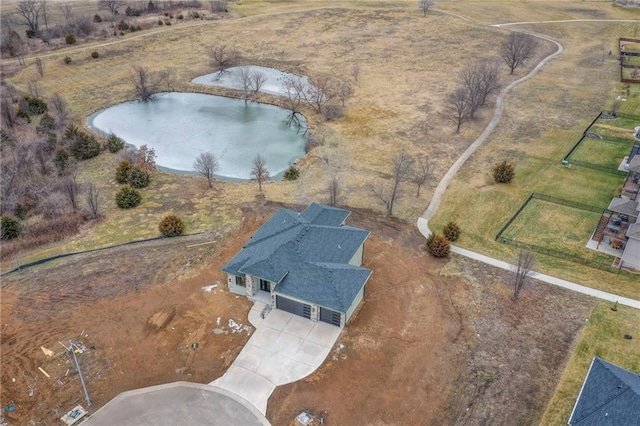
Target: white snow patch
(209,288)
(238,328)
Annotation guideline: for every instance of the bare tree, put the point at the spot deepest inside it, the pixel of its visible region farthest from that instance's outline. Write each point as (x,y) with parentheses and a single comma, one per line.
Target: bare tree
(94,200)
(517,48)
(244,79)
(206,165)
(70,188)
(345,89)
(522,271)
(401,165)
(30,12)
(167,78)
(60,110)
(223,56)
(257,79)
(336,162)
(293,100)
(421,172)
(259,170)
(110,5)
(355,72)
(39,67)
(33,88)
(321,91)
(489,70)
(615,106)
(426,5)
(67,14)
(471,81)
(145,85)
(458,107)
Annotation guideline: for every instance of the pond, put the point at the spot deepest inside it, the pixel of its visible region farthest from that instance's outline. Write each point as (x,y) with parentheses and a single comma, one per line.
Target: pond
(230,78)
(181,126)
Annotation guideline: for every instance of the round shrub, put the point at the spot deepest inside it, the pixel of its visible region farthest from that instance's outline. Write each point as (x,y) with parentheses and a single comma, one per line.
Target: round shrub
(84,146)
(291,173)
(451,231)
(139,177)
(171,225)
(114,143)
(128,197)
(95,54)
(67,60)
(123,171)
(97,18)
(62,160)
(9,228)
(504,172)
(35,106)
(160,22)
(181,16)
(70,39)
(440,246)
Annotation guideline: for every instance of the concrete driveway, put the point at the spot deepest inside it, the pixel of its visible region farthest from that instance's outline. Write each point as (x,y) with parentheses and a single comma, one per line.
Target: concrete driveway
(283,349)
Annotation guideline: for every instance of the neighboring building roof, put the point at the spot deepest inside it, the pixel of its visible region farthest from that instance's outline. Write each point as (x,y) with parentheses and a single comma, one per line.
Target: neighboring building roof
(610,395)
(624,206)
(307,254)
(634,231)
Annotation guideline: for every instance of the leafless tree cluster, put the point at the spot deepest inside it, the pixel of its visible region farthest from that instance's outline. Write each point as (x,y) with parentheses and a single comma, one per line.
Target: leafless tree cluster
(476,83)
(206,165)
(223,56)
(251,81)
(522,270)
(400,170)
(517,48)
(318,94)
(145,83)
(111,6)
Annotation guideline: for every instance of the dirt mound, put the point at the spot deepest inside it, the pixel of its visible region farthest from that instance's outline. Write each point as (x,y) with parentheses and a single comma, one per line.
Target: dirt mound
(160,319)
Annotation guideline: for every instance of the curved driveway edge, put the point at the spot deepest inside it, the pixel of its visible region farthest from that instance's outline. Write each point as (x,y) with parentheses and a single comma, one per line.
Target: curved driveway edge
(436,200)
(178,403)
(284,348)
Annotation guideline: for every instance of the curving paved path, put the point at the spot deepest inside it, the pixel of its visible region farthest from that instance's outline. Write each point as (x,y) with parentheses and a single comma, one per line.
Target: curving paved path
(423,221)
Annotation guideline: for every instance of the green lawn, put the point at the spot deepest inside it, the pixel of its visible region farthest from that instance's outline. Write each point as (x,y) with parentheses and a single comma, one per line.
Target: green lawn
(559,228)
(607,152)
(602,336)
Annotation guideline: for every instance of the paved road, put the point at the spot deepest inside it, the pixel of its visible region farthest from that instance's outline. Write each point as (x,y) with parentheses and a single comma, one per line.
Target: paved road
(423,221)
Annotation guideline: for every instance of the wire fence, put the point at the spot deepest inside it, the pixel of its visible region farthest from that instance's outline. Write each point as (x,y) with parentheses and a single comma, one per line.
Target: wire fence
(561,254)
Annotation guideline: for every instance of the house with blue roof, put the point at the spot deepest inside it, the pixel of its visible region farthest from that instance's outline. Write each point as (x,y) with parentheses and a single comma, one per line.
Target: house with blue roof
(610,396)
(307,263)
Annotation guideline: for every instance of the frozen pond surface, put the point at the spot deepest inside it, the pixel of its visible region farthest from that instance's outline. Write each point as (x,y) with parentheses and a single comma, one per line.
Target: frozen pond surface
(181,126)
(230,78)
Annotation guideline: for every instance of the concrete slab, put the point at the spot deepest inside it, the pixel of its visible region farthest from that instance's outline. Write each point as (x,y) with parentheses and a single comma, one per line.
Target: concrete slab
(179,403)
(284,348)
(248,385)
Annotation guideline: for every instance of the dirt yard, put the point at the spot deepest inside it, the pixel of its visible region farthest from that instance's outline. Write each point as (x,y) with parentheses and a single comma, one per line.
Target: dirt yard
(423,349)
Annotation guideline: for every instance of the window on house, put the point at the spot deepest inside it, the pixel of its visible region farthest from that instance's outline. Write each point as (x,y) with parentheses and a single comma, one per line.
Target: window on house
(241,281)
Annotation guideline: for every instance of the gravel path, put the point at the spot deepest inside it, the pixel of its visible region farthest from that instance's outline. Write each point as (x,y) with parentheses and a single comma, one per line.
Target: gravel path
(423,221)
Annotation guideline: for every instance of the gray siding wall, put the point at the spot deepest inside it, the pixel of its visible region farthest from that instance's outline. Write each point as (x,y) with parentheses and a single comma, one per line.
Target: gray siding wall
(356,260)
(355,304)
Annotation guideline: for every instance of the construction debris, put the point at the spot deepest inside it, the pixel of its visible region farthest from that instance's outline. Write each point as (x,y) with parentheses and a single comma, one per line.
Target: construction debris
(46,351)
(44,372)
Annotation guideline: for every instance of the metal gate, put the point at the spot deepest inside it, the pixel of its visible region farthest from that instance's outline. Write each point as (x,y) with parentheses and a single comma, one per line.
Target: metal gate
(329,316)
(293,306)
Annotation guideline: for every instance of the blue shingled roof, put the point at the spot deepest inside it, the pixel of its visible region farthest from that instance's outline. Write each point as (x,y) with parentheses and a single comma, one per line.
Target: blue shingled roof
(610,395)
(319,214)
(307,255)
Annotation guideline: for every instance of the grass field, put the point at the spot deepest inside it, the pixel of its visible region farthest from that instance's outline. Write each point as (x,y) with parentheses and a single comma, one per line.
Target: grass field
(607,152)
(602,336)
(536,139)
(559,228)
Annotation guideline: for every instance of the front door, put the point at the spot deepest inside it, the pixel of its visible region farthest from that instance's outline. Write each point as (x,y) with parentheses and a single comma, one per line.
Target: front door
(264,285)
